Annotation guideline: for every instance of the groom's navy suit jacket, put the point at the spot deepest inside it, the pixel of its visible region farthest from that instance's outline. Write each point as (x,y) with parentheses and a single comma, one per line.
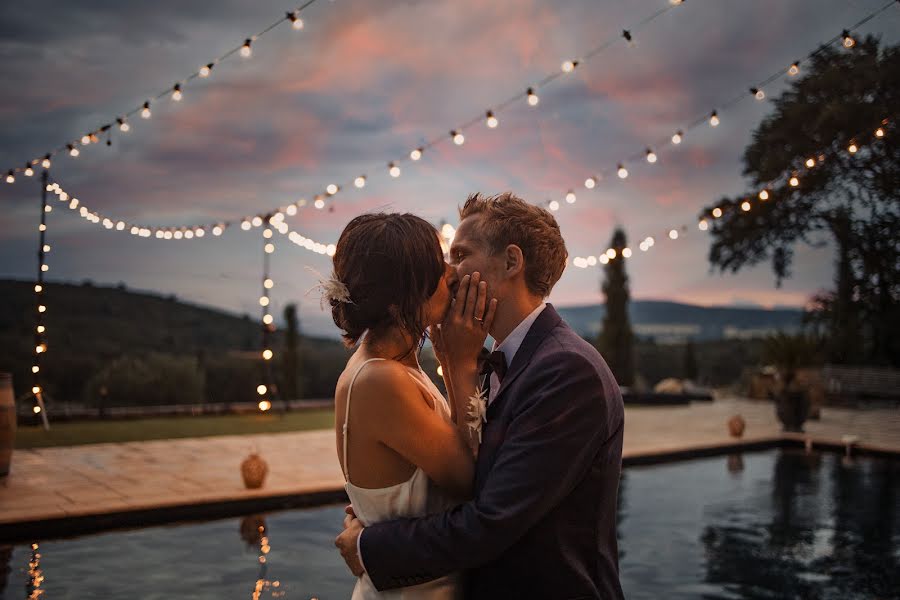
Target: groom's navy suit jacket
(543,520)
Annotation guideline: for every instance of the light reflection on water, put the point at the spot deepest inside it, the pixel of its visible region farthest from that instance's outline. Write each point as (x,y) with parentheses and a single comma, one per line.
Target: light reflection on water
(777,524)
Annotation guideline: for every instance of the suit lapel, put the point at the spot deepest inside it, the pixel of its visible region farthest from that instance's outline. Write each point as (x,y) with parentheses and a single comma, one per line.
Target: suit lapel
(545,322)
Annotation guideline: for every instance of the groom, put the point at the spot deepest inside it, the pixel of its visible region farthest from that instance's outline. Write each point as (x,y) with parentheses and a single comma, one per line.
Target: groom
(543,520)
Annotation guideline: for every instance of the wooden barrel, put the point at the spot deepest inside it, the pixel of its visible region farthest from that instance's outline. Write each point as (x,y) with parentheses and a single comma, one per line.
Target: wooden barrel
(7,422)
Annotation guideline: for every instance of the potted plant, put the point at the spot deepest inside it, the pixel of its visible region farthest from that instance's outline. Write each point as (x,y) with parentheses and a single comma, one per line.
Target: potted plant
(788,352)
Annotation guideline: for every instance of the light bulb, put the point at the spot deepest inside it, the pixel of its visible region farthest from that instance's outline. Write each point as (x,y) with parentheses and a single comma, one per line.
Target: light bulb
(176,93)
(332,189)
(205,70)
(764,195)
(48,208)
(626,252)
(394,170)
(245,49)
(590,183)
(267,319)
(570,197)
(168,235)
(269,248)
(261,389)
(124,127)
(879,133)
(319,203)
(360,181)
(848,40)
(120,226)
(38,288)
(257,221)
(39,349)
(134,230)
(200,232)
(622,172)
(458,138)
(264,405)
(330,249)
(650,241)
(28,171)
(554,205)
(810,162)
(85,140)
(569,66)
(291,210)
(10,177)
(673,234)
(46,162)
(853,148)
(145,112)
(35,369)
(651,156)
(73,151)
(268,284)
(45,268)
(592,261)
(703,225)
(714,119)
(745,206)
(758,93)
(296,22)
(492,121)
(41,329)
(611,253)
(267,354)
(794,69)
(42,308)
(604,259)
(36,389)
(794,182)
(42,227)
(263,300)
(415,154)
(532,97)
(245,225)
(189,234)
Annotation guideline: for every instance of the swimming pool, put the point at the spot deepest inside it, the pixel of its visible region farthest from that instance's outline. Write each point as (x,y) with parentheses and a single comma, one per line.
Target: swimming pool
(774,524)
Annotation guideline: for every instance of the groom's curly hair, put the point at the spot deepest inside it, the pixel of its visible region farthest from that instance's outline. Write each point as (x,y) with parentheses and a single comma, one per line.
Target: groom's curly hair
(507,219)
(391,265)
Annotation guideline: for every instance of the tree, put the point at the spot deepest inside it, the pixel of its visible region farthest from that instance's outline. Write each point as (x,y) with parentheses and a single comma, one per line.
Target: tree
(845,100)
(616,341)
(291,358)
(690,361)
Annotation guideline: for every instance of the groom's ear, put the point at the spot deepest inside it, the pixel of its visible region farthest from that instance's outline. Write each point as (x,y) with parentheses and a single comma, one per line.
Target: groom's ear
(515,260)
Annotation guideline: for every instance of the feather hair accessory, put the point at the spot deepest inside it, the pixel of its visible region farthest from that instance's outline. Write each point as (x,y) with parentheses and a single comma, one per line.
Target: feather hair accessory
(331,289)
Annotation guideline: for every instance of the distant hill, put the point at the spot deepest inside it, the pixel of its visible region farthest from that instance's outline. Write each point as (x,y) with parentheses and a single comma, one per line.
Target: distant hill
(90,326)
(672,322)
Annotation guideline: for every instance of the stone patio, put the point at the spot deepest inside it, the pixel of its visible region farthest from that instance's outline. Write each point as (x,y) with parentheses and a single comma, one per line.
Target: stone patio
(101,479)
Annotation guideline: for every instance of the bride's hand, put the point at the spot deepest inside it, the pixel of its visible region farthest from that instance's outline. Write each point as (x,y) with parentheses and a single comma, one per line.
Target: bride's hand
(467,322)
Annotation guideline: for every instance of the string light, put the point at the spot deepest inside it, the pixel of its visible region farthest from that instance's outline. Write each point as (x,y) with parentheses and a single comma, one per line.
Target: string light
(393,169)
(677,137)
(28,171)
(360,181)
(627,35)
(703,225)
(415,155)
(124,127)
(331,189)
(611,253)
(491,120)
(714,119)
(10,177)
(569,66)
(85,140)
(852,148)
(458,138)
(764,195)
(245,49)
(145,111)
(46,162)
(176,92)
(554,205)
(532,97)
(319,203)
(673,234)
(570,197)
(73,151)
(651,156)
(794,69)
(590,183)
(758,93)
(745,206)
(205,70)
(621,171)
(794,182)
(879,133)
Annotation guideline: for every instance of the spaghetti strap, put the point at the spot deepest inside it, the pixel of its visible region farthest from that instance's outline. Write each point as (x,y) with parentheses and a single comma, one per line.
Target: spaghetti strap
(346,467)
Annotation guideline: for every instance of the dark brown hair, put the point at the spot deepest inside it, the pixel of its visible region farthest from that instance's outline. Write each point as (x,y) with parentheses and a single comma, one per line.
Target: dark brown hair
(507,219)
(391,265)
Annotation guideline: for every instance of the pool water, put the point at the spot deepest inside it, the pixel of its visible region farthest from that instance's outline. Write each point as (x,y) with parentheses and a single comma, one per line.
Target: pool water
(778,524)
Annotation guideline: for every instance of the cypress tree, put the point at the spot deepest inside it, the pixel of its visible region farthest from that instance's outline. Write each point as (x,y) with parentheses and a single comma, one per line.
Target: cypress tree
(616,342)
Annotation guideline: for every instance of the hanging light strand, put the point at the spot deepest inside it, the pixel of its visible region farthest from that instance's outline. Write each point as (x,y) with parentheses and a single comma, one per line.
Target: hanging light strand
(40,328)
(266,390)
(714,118)
(788,182)
(174,92)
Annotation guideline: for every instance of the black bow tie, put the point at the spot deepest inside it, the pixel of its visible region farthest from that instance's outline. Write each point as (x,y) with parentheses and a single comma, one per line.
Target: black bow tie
(494,363)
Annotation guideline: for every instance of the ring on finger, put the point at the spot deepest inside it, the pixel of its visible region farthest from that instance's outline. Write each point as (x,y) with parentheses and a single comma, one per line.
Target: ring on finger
(479,320)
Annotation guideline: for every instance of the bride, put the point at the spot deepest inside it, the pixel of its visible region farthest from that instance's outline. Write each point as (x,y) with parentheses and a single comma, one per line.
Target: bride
(404,450)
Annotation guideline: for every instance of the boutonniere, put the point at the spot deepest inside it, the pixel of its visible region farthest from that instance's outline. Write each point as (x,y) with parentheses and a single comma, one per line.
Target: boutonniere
(476,415)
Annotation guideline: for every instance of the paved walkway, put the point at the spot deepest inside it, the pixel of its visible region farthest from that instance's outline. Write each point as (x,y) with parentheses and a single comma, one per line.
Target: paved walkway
(108,478)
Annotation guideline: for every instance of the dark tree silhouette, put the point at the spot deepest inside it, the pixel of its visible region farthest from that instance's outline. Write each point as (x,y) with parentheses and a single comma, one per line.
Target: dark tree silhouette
(291,356)
(616,341)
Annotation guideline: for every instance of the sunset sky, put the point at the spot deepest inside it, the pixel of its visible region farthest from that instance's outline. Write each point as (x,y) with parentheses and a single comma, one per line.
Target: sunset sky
(362,84)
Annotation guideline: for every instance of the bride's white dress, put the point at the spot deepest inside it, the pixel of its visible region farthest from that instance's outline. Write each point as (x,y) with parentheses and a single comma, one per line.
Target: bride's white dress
(415,497)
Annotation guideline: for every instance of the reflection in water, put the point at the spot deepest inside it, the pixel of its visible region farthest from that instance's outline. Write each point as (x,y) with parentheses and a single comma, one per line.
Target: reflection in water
(253,531)
(35,575)
(831,532)
(5,554)
(735,463)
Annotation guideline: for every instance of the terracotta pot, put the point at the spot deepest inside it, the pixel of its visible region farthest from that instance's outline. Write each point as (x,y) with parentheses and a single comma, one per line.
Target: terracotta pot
(736,426)
(254,470)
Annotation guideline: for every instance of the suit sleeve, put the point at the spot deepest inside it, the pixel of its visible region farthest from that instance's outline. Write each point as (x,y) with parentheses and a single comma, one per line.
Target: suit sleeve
(550,444)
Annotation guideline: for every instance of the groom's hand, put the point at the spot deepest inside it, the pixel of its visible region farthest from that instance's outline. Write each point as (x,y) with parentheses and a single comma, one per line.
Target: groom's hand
(347,542)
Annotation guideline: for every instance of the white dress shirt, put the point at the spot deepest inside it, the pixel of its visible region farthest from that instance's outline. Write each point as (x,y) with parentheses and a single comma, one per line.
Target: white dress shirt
(511,345)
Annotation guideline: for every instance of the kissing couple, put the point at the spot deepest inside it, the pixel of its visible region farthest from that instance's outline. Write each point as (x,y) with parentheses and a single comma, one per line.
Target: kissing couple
(507,488)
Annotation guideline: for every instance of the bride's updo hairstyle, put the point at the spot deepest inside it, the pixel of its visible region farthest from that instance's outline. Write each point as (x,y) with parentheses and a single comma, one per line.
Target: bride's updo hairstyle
(391,265)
